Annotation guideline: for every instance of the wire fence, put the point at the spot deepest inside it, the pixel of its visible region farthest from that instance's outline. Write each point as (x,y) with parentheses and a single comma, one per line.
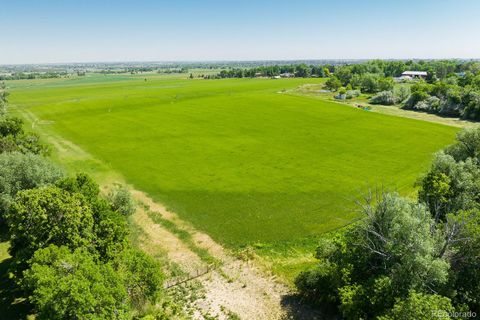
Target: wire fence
(180,280)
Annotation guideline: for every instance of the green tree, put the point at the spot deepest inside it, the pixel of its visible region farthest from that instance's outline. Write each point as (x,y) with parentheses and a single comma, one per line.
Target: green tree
(110,227)
(384,256)
(24,171)
(333,83)
(71,285)
(13,137)
(141,276)
(48,215)
(420,306)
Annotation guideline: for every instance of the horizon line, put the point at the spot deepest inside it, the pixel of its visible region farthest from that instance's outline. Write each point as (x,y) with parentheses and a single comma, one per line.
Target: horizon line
(213,61)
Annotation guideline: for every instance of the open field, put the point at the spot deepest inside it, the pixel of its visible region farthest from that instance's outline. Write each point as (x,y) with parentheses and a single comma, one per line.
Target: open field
(237,158)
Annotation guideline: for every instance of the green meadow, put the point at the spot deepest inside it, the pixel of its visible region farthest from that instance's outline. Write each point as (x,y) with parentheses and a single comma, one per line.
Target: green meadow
(238,158)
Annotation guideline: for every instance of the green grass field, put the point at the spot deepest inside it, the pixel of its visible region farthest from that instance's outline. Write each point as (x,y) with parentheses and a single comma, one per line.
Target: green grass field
(237,158)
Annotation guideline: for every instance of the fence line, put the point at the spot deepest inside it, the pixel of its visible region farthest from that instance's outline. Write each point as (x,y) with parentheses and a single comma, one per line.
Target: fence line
(180,280)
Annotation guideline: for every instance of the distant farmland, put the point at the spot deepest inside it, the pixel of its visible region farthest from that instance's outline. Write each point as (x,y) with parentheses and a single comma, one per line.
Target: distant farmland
(237,158)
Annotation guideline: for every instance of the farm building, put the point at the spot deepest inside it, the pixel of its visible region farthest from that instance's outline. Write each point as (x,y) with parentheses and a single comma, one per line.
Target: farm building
(414,74)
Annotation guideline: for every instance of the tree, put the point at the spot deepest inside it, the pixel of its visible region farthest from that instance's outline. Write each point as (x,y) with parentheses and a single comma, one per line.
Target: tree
(333,83)
(141,276)
(10,126)
(13,138)
(467,145)
(24,171)
(390,252)
(110,227)
(48,215)
(463,238)
(420,306)
(71,285)
(81,183)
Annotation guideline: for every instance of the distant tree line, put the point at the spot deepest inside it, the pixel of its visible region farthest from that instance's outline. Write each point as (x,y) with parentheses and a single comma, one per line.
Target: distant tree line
(32,75)
(71,255)
(409,259)
(451,88)
(294,70)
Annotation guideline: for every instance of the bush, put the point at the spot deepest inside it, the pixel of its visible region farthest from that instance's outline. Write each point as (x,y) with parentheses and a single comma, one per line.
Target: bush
(122,201)
(352,94)
(384,97)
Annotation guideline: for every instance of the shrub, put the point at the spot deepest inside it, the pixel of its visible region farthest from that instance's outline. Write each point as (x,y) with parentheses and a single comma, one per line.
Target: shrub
(121,201)
(384,97)
(352,94)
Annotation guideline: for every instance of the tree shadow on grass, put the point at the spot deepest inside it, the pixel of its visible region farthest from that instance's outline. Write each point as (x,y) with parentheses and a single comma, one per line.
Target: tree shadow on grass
(13,304)
(297,309)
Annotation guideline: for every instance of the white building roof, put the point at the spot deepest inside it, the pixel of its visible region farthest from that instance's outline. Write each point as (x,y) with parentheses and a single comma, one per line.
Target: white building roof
(414,73)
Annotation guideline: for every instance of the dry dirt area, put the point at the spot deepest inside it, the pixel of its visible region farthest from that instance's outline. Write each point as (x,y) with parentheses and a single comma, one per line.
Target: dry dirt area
(234,287)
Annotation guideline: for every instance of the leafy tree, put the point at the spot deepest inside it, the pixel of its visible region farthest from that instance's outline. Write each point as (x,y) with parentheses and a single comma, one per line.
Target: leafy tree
(23,171)
(111,232)
(48,215)
(81,183)
(420,306)
(333,83)
(110,228)
(463,239)
(13,138)
(386,255)
(10,126)
(467,145)
(71,285)
(450,186)
(141,276)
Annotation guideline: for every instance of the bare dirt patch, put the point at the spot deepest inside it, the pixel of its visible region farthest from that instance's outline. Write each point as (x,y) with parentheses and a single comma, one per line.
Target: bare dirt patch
(236,286)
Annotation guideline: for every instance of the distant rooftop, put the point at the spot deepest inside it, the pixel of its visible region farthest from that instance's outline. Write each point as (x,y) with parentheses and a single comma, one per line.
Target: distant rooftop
(414,73)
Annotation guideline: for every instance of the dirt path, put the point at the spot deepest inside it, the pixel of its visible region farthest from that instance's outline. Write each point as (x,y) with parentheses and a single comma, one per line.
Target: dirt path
(236,286)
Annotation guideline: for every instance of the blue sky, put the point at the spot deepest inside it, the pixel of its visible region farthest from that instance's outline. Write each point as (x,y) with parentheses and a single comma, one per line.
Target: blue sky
(146,30)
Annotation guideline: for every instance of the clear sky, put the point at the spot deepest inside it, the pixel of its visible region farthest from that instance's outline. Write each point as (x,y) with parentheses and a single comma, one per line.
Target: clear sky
(35,31)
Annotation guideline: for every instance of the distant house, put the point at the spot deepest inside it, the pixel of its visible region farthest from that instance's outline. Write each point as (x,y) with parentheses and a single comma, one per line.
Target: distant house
(414,74)
(287,75)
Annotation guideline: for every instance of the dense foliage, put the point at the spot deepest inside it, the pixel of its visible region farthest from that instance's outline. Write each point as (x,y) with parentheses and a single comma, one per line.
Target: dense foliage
(14,138)
(404,259)
(69,244)
(451,87)
(23,171)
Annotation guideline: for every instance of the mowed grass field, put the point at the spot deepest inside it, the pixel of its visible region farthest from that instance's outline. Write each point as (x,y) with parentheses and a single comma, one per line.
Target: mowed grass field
(237,158)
